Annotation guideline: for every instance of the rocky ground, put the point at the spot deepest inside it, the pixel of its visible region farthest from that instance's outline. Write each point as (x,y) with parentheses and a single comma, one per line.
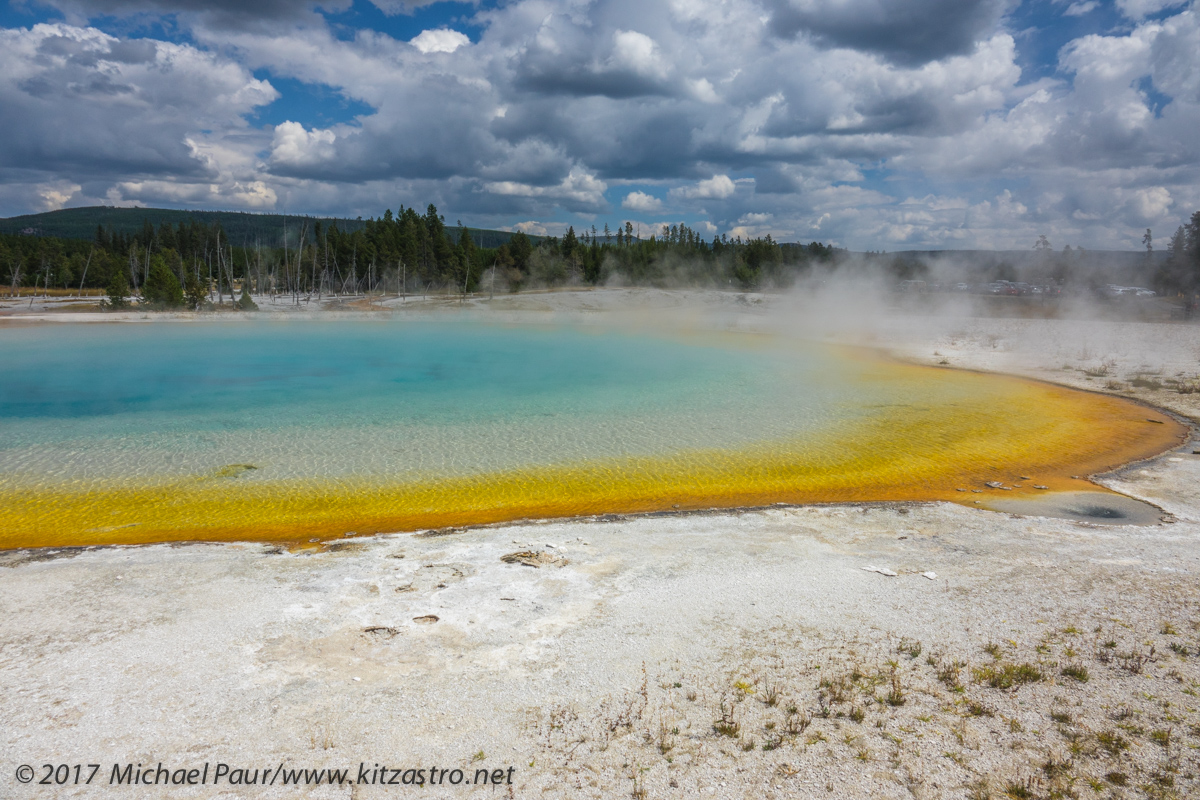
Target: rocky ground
(747,654)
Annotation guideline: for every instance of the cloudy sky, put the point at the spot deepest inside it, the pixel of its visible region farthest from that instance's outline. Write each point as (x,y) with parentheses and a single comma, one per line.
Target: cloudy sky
(872,124)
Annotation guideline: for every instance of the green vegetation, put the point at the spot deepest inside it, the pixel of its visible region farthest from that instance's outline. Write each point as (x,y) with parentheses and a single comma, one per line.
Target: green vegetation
(832,713)
(1077,671)
(1005,675)
(194,259)
(117,290)
(245,303)
(81,223)
(1180,273)
(223,257)
(162,288)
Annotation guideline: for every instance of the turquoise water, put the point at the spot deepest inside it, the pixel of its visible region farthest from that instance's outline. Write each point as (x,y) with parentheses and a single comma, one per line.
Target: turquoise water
(124,433)
(396,399)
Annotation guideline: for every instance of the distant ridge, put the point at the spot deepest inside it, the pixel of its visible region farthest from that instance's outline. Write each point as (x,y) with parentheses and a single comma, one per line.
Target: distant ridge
(1022,256)
(240,226)
(244,227)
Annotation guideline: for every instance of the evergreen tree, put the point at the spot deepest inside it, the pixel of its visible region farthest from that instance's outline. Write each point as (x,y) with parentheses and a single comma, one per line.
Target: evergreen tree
(592,262)
(743,273)
(466,257)
(117,290)
(571,250)
(569,243)
(1193,251)
(245,303)
(520,248)
(1172,275)
(196,297)
(162,289)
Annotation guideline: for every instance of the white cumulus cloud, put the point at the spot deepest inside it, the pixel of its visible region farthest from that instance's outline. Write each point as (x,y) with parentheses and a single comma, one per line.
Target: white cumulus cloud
(439,40)
(294,145)
(640,201)
(717,187)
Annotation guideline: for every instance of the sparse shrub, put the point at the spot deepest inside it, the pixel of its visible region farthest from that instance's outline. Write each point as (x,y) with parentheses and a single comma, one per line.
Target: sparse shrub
(1005,676)
(730,728)
(834,689)
(1077,671)
(727,725)
(1133,661)
(666,741)
(1143,382)
(1164,778)
(976,709)
(949,674)
(1018,791)
(1112,741)
(1055,768)
(979,790)
(796,722)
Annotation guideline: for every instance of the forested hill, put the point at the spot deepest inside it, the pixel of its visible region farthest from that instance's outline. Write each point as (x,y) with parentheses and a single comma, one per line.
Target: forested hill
(240,227)
(404,253)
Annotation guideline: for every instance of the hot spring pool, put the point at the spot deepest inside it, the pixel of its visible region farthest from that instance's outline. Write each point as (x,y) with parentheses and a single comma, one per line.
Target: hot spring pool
(295,430)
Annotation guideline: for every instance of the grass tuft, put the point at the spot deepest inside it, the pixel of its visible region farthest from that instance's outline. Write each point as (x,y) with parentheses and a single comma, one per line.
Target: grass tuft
(1077,671)
(1006,676)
